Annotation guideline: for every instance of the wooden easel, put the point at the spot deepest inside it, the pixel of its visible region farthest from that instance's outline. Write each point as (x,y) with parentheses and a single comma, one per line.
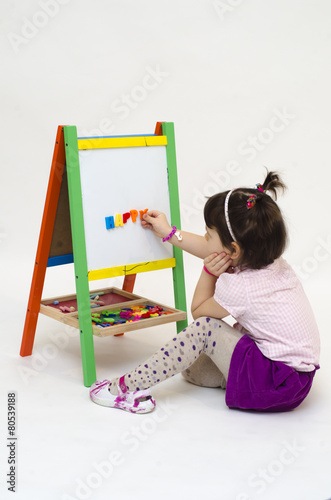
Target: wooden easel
(62,241)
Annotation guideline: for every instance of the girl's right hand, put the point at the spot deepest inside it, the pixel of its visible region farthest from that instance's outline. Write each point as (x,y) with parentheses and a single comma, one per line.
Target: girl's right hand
(157,221)
(218,264)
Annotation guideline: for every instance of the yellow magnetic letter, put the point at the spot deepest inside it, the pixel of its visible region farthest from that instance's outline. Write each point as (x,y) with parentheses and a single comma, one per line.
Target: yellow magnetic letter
(118,220)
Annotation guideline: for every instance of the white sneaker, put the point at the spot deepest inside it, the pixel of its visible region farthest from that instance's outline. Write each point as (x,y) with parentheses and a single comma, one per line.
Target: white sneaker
(134,402)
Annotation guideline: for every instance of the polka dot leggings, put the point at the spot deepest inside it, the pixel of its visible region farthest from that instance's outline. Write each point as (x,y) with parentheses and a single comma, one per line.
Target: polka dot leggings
(202,351)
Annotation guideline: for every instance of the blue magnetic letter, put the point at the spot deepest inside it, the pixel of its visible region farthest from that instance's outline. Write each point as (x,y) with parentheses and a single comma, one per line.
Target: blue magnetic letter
(109,222)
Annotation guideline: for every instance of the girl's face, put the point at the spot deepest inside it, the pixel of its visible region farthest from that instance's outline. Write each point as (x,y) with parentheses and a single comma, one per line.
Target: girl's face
(215,244)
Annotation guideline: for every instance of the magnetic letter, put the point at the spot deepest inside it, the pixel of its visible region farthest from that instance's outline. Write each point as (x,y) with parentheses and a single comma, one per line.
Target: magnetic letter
(109,222)
(142,212)
(134,214)
(126,217)
(118,220)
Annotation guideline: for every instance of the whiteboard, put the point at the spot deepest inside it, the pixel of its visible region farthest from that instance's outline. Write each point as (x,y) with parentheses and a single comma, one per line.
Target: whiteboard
(115,181)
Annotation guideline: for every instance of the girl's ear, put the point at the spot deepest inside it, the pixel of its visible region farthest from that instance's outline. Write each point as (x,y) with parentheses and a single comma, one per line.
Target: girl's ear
(236,251)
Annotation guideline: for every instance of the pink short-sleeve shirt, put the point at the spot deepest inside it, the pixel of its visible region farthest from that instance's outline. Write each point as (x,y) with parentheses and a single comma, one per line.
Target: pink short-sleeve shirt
(271,306)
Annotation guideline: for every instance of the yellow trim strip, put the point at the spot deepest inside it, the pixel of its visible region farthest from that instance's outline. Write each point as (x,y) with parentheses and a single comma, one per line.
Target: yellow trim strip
(122,142)
(112,272)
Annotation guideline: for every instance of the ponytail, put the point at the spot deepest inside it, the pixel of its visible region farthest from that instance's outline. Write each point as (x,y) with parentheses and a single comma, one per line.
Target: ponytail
(273,183)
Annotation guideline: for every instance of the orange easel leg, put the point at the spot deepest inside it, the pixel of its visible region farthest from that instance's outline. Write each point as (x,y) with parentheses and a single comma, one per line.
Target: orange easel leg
(128,286)
(129,282)
(44,244)
(158,128)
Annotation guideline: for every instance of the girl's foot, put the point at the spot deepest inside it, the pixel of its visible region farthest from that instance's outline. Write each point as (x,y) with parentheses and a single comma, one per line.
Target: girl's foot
(134,402)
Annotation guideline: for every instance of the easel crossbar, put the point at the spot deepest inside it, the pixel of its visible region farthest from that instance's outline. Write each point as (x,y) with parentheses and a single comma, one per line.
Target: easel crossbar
(121,142)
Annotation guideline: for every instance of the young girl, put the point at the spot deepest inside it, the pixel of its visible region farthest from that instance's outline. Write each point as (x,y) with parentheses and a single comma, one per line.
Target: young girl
(267,361)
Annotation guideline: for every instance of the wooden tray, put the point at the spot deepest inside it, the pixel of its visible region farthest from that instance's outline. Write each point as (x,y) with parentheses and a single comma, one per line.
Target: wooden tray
(114,299)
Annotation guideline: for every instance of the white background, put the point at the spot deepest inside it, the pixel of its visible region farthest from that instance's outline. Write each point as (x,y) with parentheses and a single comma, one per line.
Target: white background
(247,84)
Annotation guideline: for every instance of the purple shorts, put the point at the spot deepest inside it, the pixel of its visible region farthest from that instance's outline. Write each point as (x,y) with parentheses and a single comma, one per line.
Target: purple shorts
(258,383)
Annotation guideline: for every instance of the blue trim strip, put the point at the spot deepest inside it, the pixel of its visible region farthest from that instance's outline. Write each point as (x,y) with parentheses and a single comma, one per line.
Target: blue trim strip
(61,259)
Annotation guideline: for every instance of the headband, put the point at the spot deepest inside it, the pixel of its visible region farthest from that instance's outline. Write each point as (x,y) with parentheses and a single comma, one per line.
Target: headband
(226,213)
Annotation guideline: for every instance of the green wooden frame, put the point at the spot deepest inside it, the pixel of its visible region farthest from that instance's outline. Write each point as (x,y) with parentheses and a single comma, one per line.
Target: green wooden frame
(178,271)
(79,252)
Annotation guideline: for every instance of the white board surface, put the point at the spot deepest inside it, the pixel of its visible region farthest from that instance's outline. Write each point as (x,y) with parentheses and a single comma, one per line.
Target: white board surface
(115,181)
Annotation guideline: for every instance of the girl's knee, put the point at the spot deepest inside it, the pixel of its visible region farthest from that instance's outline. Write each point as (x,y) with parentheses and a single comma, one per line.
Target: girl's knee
(204,373)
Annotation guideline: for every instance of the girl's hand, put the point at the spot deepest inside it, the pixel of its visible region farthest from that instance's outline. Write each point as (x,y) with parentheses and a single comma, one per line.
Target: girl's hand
(156,221)
(218,264)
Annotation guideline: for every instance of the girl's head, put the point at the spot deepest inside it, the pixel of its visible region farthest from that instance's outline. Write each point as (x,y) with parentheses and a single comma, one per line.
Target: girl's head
(253,218)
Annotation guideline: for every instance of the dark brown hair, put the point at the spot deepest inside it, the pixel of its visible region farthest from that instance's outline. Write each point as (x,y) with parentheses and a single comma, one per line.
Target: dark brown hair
(260,231)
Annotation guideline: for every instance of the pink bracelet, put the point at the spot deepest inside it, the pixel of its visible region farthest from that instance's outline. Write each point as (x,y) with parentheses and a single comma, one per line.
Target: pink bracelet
(174,229)
(205,269)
